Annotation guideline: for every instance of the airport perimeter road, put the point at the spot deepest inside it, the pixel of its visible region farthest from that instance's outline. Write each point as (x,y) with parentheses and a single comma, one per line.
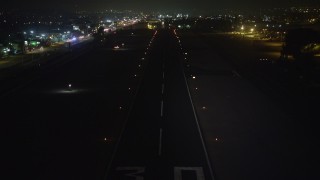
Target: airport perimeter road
(161,138)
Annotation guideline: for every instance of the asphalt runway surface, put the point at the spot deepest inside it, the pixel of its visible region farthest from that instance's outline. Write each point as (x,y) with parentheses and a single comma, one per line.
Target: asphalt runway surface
(162,139)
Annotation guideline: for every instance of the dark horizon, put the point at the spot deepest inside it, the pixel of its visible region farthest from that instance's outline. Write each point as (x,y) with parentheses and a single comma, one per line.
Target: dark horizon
(147,6)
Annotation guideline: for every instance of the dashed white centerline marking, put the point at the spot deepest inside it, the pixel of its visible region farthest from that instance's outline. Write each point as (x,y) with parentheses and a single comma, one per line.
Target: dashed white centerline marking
(160,143)
(163,75)
(161,112)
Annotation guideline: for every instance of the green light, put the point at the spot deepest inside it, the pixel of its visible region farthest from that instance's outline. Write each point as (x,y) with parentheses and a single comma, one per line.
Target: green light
(33,43)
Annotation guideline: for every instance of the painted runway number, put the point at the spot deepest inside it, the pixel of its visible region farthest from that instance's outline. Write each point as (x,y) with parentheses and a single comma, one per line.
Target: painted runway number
(137,172)
(197,170)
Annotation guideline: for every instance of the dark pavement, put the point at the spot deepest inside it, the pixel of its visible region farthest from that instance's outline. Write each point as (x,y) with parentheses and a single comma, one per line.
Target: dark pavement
(260,118)
(51,131)
(161,139)
(129,115)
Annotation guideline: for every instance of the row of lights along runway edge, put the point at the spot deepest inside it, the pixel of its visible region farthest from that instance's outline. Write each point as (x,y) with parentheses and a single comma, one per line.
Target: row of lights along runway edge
(184,54)
(185,58)
(145,55)
(142,59)
(109,140)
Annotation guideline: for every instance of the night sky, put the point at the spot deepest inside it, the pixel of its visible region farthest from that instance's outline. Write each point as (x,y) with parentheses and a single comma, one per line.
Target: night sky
(155,4)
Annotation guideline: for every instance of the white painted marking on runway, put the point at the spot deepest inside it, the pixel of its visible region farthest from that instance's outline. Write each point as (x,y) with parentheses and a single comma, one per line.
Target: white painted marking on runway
(136,175)
(197,170)
(163,75)
(161,112)
(160,143)
(198,126)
